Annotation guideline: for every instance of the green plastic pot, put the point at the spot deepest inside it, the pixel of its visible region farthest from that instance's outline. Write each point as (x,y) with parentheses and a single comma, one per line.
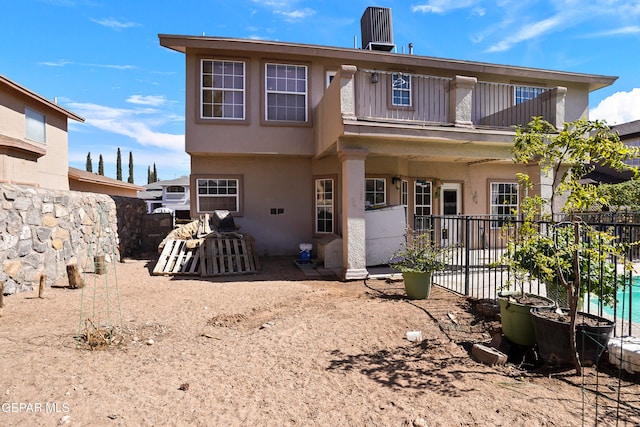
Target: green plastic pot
(417,285)
(517,325)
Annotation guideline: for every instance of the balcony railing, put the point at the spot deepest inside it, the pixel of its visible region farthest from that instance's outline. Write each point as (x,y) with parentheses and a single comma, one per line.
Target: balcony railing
(460,101)
(494,105)
(428,100)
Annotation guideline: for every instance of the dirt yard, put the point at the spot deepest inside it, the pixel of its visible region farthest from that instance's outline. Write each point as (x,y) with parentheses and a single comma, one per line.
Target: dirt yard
(275,348)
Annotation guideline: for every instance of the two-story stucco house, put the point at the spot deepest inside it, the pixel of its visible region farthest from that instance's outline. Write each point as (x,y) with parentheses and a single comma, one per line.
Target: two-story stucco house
(171,194)
(33,138)
(300,141)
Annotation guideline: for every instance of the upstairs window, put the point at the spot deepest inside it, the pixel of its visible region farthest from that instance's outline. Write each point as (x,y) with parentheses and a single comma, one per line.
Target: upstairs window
(525,93)
(223,90)
(286,92)
(175,192)
(35,126)
(375,192)
(401,90)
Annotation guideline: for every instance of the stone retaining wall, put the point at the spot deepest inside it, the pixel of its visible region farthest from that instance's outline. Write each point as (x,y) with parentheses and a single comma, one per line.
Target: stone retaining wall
(44,230)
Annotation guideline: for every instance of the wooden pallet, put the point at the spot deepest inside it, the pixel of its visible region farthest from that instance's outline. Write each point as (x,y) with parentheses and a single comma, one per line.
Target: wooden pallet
(228,253)
(178,258)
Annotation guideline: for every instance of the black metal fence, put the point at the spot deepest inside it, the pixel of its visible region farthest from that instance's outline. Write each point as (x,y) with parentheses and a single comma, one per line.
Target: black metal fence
(475,264)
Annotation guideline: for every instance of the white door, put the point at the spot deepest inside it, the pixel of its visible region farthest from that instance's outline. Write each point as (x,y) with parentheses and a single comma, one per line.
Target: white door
(450,206)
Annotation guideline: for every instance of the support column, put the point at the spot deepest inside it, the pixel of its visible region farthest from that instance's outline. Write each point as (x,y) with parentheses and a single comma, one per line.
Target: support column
(460,100)
(354,254)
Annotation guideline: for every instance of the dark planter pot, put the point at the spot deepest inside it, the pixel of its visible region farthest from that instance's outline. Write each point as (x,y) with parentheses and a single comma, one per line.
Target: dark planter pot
(553,338)
(515,318)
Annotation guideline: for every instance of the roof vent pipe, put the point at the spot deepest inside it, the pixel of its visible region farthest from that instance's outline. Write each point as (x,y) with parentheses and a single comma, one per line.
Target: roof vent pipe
(410,48)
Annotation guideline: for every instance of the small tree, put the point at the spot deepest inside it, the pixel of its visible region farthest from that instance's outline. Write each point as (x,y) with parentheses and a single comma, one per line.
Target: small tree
(562,251)
(130,179)
(155,173)
(149,181)
(118,166)
(89,166)
(100,166)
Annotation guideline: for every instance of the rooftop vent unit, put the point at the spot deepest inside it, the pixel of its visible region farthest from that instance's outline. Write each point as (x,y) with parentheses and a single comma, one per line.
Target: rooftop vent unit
(377,32)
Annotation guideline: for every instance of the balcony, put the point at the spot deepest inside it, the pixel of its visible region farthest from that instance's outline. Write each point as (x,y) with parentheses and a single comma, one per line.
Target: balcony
(420,101)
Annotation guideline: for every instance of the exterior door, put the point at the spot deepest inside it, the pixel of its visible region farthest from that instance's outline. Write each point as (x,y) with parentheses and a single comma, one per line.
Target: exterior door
(450,208)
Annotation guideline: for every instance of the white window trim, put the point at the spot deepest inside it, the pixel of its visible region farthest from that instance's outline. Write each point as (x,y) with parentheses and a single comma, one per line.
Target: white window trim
(324,205)
(416,205)
(498,224)
(384,191)
(525,86)
(33,117)
(223,89)
(330,75)
(394,88)
(267,92)
(236,196)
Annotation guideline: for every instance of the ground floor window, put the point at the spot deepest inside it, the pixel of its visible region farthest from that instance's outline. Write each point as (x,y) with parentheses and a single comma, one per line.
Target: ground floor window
(503,200)
(375,193)
(324,205)
(422,204)
(218,194)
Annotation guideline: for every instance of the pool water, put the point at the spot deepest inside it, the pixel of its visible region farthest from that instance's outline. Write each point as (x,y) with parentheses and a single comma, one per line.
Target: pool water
(626,301)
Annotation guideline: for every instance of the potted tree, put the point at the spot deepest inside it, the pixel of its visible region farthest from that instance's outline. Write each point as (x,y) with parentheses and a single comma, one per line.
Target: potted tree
(417,260)
(562,252)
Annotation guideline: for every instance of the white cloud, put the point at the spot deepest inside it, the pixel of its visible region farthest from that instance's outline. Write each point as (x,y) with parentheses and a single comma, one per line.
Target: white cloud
(633,29)
(442,6)
(62,63)
(621,107)
(296,15)
(152,100)
(528,32)
(116,25)
(136,123)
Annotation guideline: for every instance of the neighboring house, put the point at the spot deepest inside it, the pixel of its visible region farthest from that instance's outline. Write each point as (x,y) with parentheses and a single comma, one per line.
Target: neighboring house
(170,194)
(33,138)
(80,180)
(299,141)
(629,133)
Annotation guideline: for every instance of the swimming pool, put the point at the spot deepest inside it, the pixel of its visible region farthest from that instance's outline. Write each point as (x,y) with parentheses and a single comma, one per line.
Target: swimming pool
(627,301)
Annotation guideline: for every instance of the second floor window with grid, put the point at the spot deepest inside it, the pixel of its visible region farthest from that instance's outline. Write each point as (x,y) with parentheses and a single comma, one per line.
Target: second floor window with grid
(35,126)
(375,192)
(401,89)
(286,92)
(223,88)
(525,93)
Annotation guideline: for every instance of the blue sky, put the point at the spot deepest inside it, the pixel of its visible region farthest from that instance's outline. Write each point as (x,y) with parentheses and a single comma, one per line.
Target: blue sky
(102,60)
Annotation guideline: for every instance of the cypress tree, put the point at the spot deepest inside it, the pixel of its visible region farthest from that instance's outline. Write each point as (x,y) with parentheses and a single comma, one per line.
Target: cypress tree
(118,166)
(130,179)
(101,166)
(89,166)
(149,175)
(155,173)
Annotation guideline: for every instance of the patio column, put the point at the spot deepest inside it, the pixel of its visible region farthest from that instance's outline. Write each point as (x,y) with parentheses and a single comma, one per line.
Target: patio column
(354,254)
(460,100)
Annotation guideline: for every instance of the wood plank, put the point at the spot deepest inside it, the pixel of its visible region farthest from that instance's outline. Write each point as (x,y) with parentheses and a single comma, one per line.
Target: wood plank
(164,257)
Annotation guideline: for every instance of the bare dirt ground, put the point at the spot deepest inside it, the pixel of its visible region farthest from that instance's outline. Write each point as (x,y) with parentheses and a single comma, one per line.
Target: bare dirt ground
(275,348)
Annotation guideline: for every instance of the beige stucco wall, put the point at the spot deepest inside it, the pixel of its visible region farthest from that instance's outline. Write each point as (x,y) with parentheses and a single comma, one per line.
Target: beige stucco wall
(48,171)
(267,182)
